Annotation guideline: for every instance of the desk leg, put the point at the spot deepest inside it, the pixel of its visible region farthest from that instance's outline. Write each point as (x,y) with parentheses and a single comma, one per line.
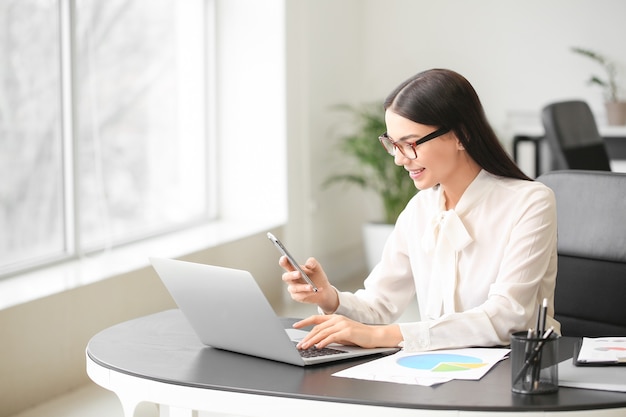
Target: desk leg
(167,411)
(129,405)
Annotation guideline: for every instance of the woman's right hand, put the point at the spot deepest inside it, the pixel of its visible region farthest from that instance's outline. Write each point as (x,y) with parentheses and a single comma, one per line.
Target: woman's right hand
(326,296)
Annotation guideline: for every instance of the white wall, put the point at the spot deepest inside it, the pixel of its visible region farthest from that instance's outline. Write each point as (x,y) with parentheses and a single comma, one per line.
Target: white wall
(250,108)
(515,53)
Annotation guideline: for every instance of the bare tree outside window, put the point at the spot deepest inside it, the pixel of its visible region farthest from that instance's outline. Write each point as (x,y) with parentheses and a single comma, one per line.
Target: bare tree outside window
(31,189)
(138,114)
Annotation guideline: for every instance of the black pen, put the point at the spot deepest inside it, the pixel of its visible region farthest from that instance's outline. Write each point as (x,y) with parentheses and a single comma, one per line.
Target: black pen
(544,313)
(538,326)
(536,351)
(540,320)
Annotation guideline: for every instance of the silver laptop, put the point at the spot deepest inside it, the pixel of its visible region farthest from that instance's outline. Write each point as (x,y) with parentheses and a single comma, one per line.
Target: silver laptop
(227,310)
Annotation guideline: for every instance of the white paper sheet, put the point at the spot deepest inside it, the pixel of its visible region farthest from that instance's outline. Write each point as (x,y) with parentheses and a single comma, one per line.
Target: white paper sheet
(428,368)
(603,349)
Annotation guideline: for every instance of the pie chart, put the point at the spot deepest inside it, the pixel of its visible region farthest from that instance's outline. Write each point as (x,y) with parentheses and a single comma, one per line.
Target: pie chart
(441,362)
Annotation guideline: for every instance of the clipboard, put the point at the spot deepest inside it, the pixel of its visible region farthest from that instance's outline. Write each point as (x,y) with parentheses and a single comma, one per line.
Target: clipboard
(597,361)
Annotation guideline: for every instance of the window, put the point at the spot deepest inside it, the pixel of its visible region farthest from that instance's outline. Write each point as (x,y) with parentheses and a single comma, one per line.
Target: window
(102,125)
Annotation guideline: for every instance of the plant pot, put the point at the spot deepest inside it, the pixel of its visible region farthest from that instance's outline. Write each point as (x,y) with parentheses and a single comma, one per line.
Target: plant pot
(374,237)
(616,113)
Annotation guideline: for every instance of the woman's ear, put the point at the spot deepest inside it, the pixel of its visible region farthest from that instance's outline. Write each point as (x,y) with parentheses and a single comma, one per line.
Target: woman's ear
(459,142)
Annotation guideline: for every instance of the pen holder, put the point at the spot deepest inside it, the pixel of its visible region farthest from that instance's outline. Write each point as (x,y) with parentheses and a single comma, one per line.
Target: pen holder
(534,364)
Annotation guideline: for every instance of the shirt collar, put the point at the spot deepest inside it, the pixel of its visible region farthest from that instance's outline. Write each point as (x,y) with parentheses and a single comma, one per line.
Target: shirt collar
(474,192)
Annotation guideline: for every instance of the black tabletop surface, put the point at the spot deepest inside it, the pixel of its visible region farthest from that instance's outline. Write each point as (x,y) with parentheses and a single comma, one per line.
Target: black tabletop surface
(163,347)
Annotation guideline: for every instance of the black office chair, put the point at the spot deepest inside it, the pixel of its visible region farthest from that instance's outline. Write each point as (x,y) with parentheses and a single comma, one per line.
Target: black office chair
(590,297)
(573,137)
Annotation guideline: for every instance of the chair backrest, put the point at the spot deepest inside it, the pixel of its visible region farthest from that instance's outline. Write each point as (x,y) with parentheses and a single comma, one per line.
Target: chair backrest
(573,136)
(590,295)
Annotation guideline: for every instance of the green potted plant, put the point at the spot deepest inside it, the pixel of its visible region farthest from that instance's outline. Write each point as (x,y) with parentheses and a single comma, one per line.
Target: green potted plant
(374,171)
(615,108)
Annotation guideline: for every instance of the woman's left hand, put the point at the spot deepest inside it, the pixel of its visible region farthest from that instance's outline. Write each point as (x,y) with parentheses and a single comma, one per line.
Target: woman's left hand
(335,328)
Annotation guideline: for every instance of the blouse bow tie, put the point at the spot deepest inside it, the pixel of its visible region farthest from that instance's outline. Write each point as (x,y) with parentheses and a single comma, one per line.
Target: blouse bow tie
(446,237)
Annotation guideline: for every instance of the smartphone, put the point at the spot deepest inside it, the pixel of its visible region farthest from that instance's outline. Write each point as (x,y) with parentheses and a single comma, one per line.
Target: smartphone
(282,249)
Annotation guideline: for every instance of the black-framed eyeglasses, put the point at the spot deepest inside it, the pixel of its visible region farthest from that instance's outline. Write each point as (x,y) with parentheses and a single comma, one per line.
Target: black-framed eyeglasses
(407,148)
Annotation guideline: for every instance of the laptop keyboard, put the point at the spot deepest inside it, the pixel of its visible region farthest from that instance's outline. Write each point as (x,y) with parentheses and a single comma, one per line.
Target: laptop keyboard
(314,352)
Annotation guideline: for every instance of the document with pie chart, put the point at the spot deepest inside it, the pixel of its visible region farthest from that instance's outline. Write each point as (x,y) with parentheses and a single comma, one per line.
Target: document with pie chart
(428,368)
(605,350)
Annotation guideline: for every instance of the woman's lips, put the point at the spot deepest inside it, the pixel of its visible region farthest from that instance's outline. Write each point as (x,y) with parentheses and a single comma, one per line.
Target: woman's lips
(416,173)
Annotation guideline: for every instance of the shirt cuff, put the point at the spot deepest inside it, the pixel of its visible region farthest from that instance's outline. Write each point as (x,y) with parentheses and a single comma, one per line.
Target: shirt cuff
(416,336)
(339,308)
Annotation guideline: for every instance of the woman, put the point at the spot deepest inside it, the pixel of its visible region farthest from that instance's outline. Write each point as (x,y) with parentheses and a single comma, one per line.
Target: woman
(477,245)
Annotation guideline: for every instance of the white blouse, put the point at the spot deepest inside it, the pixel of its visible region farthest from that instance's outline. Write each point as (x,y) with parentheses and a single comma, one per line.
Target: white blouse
(479,271)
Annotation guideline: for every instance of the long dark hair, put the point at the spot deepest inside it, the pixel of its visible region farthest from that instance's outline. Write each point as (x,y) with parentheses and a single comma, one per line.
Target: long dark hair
(444,98)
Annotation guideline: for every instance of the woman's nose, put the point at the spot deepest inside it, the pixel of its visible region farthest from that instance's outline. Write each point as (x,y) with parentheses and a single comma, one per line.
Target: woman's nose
(399,159)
